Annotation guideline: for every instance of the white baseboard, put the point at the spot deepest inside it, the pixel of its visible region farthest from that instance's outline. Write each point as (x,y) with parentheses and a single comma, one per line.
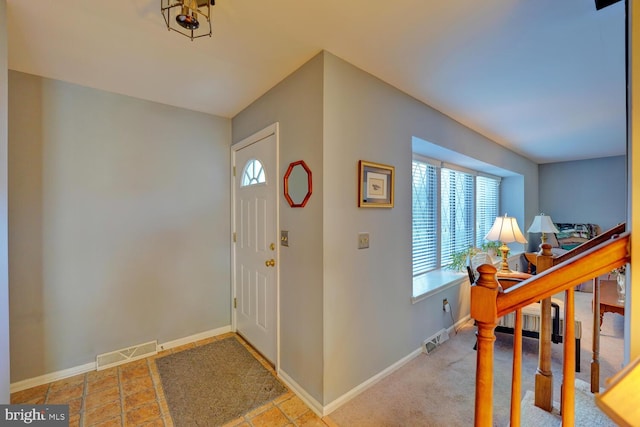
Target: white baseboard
(53,376)
(460,322)
(193,338)
(313,404)
(370,382)
(88,367)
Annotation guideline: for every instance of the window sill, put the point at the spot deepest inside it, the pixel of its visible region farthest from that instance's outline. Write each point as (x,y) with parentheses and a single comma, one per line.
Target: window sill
(435,281)
(439,280)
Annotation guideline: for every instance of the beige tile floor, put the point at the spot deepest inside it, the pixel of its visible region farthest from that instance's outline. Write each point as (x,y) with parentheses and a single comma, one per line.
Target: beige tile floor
(131,395)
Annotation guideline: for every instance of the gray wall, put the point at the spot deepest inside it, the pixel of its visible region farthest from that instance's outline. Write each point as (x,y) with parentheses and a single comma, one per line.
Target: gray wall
(585,191)
(119,223)
(119,213)
(346,314)
(296,103)
(4,278)
(369,320)
(513,204)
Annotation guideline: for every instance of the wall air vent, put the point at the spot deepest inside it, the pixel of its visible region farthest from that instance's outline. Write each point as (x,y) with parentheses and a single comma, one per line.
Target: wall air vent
(429,345)
(118,357)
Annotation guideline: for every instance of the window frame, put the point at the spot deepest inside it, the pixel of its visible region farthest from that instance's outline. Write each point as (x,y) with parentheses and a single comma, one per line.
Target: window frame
(439,165)
(253,179)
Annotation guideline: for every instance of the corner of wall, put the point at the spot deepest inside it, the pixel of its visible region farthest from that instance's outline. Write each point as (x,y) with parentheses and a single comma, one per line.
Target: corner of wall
(4,277)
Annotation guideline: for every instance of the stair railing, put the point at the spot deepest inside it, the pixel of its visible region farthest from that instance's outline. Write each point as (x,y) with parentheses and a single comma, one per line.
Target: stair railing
(544,376)
(489,302)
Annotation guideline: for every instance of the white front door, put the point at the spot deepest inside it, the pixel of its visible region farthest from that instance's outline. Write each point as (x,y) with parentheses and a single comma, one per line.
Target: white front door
(256,192)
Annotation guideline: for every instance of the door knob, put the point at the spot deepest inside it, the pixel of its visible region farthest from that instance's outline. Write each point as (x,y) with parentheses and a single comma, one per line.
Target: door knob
(270,263)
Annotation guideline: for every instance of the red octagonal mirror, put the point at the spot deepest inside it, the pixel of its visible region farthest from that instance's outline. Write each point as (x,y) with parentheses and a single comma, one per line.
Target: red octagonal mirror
(297,184)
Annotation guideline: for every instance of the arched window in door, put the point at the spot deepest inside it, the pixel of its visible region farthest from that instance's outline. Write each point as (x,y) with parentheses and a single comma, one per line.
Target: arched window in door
(253,173)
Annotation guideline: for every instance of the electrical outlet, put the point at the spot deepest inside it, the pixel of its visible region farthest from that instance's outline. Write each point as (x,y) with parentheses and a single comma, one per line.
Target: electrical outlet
(363,240)
(445,305)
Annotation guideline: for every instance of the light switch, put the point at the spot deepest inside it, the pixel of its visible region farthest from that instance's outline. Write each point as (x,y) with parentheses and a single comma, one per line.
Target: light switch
(363,240)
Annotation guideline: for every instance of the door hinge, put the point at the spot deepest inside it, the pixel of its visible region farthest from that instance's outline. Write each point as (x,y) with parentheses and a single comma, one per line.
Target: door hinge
(234,171)
(235,302)
(234,237)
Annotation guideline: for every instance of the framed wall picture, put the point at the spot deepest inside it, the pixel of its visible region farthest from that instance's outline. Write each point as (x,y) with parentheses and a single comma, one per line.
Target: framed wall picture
(375,185)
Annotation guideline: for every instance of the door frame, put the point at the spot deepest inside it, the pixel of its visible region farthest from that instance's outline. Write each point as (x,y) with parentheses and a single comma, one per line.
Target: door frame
(273,129)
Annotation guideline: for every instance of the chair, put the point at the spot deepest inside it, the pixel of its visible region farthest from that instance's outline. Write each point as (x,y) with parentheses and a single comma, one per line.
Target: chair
(531,314)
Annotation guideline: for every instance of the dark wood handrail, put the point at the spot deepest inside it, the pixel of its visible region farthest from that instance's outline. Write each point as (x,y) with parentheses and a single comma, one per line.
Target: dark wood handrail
(591,243)
(595,261)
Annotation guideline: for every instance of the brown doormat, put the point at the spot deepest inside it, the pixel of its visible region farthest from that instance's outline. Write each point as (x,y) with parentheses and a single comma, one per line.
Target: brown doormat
(215,383)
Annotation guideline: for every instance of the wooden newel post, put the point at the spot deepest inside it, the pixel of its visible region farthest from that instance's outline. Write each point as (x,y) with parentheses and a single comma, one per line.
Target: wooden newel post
(595,345)
(483,309)
(544,376)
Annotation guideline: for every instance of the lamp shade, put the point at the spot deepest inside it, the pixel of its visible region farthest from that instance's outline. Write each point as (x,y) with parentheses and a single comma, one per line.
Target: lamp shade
(505,229)
(542,224)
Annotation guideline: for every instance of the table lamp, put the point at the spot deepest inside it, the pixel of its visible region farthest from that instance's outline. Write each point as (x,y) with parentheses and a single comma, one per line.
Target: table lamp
(542,224)
(505,230)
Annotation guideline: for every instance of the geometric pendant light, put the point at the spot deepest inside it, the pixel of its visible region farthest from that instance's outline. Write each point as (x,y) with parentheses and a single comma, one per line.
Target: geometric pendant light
(191,18)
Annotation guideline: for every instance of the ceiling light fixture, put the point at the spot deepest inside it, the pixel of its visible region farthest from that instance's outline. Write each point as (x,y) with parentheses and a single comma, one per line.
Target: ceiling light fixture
(186,14)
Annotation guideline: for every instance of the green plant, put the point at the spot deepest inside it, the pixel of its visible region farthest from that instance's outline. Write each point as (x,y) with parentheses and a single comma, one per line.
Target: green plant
(459,259)
(486,246)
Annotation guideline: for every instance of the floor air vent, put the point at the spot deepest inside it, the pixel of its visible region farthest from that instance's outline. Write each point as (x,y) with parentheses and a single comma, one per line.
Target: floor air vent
(434,342)
(118,357)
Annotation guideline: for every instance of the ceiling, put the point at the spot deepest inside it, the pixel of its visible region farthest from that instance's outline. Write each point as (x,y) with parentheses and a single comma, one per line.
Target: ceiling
(545,78)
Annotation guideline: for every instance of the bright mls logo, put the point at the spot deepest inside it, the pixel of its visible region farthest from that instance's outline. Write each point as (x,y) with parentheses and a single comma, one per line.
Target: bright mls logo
(36,415)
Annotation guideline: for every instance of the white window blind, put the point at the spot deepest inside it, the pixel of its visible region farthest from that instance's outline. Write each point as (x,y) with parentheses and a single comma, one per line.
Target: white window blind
(453,209)
(487,196)
(425,220)
(457,213)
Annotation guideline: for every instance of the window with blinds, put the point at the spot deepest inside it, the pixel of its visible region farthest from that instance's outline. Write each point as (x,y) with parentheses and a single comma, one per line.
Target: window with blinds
(425,218)
(487,196)
(457,201)
(452,211)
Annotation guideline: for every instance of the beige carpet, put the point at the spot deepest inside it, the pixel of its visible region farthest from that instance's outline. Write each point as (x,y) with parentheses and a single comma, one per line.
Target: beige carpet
(589,414)
(215,383)
(438,389)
